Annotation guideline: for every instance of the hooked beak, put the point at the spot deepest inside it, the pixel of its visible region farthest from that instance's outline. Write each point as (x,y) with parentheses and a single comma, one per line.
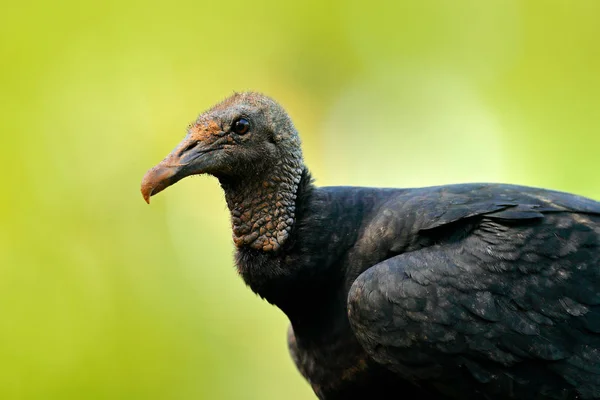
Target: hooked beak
(188,158)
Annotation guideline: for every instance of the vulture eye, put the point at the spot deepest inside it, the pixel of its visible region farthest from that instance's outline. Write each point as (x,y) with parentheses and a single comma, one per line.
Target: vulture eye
(241,126)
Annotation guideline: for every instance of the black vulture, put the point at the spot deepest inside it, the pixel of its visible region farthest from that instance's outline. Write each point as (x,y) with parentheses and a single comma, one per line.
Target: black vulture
(464,291)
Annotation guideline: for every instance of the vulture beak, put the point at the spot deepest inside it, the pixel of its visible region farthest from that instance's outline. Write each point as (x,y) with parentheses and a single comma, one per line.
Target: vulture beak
(188,158)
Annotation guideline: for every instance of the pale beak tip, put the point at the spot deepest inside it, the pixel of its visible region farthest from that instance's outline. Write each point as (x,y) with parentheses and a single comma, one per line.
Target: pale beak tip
(147,193)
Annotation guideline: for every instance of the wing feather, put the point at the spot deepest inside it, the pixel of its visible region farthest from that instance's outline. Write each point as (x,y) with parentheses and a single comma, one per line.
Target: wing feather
(512,309)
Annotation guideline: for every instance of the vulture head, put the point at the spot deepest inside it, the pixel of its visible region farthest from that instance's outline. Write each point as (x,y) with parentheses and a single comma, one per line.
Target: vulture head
(250,144)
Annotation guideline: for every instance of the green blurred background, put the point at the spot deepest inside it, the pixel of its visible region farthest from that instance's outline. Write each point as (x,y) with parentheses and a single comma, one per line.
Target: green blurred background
(104,297)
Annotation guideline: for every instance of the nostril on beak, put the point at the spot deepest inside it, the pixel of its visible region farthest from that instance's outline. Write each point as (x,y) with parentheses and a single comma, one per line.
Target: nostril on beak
(188,147)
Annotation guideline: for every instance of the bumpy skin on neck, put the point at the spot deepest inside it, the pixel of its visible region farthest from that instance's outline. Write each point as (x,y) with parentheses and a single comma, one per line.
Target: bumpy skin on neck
(262,200)
(263,210)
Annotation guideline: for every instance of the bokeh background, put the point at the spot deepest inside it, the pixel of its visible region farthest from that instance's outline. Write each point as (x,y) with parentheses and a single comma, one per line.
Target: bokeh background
(104,297)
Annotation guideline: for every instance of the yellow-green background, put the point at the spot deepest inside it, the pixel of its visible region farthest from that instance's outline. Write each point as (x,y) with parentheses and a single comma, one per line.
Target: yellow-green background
(104,297)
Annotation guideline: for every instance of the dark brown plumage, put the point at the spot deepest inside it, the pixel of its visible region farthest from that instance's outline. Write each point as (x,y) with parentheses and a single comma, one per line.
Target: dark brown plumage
(473,291)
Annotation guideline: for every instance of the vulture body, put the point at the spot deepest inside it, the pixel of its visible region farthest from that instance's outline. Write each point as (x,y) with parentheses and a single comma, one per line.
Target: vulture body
(470,291)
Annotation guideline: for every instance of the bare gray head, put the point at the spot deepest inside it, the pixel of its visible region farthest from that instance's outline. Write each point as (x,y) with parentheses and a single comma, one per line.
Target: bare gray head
(250,144)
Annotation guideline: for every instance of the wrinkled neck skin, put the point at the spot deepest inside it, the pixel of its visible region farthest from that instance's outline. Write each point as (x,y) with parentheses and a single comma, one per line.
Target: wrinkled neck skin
(263,210)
